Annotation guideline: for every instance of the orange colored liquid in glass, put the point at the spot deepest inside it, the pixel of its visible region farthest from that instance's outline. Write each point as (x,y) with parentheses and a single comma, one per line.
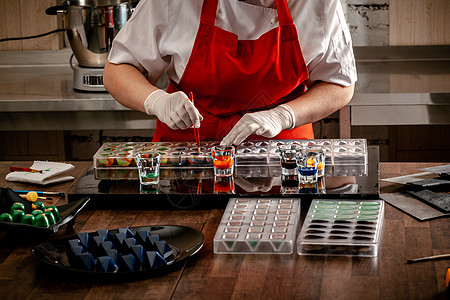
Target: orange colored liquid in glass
(223,164)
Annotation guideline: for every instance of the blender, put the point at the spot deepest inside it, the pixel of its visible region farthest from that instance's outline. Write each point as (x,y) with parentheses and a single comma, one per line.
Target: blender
(91,26)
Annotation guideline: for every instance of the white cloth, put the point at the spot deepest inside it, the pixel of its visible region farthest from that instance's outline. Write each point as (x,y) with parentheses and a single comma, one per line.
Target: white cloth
(160,35)
(52,172)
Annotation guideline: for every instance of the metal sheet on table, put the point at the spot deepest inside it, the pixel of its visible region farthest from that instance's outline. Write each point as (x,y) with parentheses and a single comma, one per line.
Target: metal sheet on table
(412,206)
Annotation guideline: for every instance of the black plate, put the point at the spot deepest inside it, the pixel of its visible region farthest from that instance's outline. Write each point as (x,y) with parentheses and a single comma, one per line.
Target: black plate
(184,241)
(68,212)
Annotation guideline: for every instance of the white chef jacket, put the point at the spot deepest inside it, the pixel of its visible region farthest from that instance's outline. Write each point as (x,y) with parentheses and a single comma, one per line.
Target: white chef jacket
(160,35)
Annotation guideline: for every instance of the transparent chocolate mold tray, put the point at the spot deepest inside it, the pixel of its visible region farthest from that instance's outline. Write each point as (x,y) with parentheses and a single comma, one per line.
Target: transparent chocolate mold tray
(342,228)
(338,151)
(173,155)
(344,157)
(258,226)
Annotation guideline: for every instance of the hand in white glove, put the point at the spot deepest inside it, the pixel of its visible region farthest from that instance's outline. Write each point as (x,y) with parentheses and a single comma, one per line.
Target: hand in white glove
(267,123)
(175,110)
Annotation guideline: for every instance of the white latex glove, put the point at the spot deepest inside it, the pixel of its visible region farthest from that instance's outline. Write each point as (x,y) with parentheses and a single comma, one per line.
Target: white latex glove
(175,110)
(267,123)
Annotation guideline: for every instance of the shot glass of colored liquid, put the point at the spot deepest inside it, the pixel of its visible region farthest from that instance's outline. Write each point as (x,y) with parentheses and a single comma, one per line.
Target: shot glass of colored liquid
(148,166)
(288,159)
(223,160)
(309,160)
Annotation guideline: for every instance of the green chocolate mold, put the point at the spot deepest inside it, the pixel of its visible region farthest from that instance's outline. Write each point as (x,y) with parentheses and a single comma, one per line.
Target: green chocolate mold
(370,203)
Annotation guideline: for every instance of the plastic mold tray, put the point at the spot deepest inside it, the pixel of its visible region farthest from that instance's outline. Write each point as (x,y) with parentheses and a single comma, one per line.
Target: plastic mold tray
(258,225)
(343,156)
(341,227)
(338,151)
(117,160)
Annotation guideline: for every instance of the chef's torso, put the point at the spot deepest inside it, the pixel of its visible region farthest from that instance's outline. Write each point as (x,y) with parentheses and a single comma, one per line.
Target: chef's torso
(160,35)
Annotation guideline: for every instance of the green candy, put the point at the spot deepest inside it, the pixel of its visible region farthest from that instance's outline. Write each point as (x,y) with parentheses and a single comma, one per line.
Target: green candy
(55,212)
(50,217)
(5,217)
(27,219)
(17,215)
(38,205)
(41,221)
(17,206)
(36,212)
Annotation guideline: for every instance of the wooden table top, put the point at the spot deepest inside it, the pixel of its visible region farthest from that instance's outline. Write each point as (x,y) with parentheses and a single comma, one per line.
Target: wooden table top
(223,276)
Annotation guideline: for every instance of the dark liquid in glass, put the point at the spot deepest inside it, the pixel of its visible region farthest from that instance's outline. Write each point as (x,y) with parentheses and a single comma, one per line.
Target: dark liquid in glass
(289,165)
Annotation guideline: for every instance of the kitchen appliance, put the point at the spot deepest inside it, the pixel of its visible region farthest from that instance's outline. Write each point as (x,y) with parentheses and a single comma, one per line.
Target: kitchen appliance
(91,26)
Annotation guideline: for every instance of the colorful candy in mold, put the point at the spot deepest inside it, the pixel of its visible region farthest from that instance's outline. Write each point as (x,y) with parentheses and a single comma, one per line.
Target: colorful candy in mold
(123,160)
(106,160)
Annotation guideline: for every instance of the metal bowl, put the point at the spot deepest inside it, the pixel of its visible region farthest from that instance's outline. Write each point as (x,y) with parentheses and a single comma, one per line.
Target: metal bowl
(91,26)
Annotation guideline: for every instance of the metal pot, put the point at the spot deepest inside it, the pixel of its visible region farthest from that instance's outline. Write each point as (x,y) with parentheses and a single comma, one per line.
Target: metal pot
(91,26)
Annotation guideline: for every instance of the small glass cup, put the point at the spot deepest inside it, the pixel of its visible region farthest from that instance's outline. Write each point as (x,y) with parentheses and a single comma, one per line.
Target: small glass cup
(289,184)
(288,159)
(321,164)
(223,160)
(148,164)
(309,160)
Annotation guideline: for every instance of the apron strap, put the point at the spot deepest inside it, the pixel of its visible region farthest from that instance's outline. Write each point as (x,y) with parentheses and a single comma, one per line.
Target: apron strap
(284,15)
(209,12)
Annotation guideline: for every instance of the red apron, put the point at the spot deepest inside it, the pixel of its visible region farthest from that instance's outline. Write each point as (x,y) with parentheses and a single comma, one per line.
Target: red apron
(231,77)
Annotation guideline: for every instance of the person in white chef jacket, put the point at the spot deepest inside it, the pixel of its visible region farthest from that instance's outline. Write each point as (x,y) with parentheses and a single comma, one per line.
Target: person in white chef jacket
(258,69)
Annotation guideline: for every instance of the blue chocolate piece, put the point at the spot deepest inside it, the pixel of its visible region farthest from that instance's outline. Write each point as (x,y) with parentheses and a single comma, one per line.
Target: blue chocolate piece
(77,250)
(129,242)
(153,238)
(105,264)
(86,261)
(74,243)
(73,252)
(113,254)
(149,244)
(104,247)
(152,260)
(105,233)
(84,239)
(98,239)
(141,236)
(138,251)
(164,249)
(118,239)
(128,263)
(127,231)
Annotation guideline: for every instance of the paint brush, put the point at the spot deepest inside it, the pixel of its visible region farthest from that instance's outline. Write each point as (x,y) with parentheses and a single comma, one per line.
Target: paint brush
(196,131)
(61,194)
(434,257)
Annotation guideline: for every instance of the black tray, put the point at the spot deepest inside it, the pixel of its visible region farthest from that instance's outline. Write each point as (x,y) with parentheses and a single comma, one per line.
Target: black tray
(68,212)
(184,241)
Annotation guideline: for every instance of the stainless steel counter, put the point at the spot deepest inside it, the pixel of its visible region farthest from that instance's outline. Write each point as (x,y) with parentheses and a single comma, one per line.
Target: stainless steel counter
(401,86)
(396,86)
